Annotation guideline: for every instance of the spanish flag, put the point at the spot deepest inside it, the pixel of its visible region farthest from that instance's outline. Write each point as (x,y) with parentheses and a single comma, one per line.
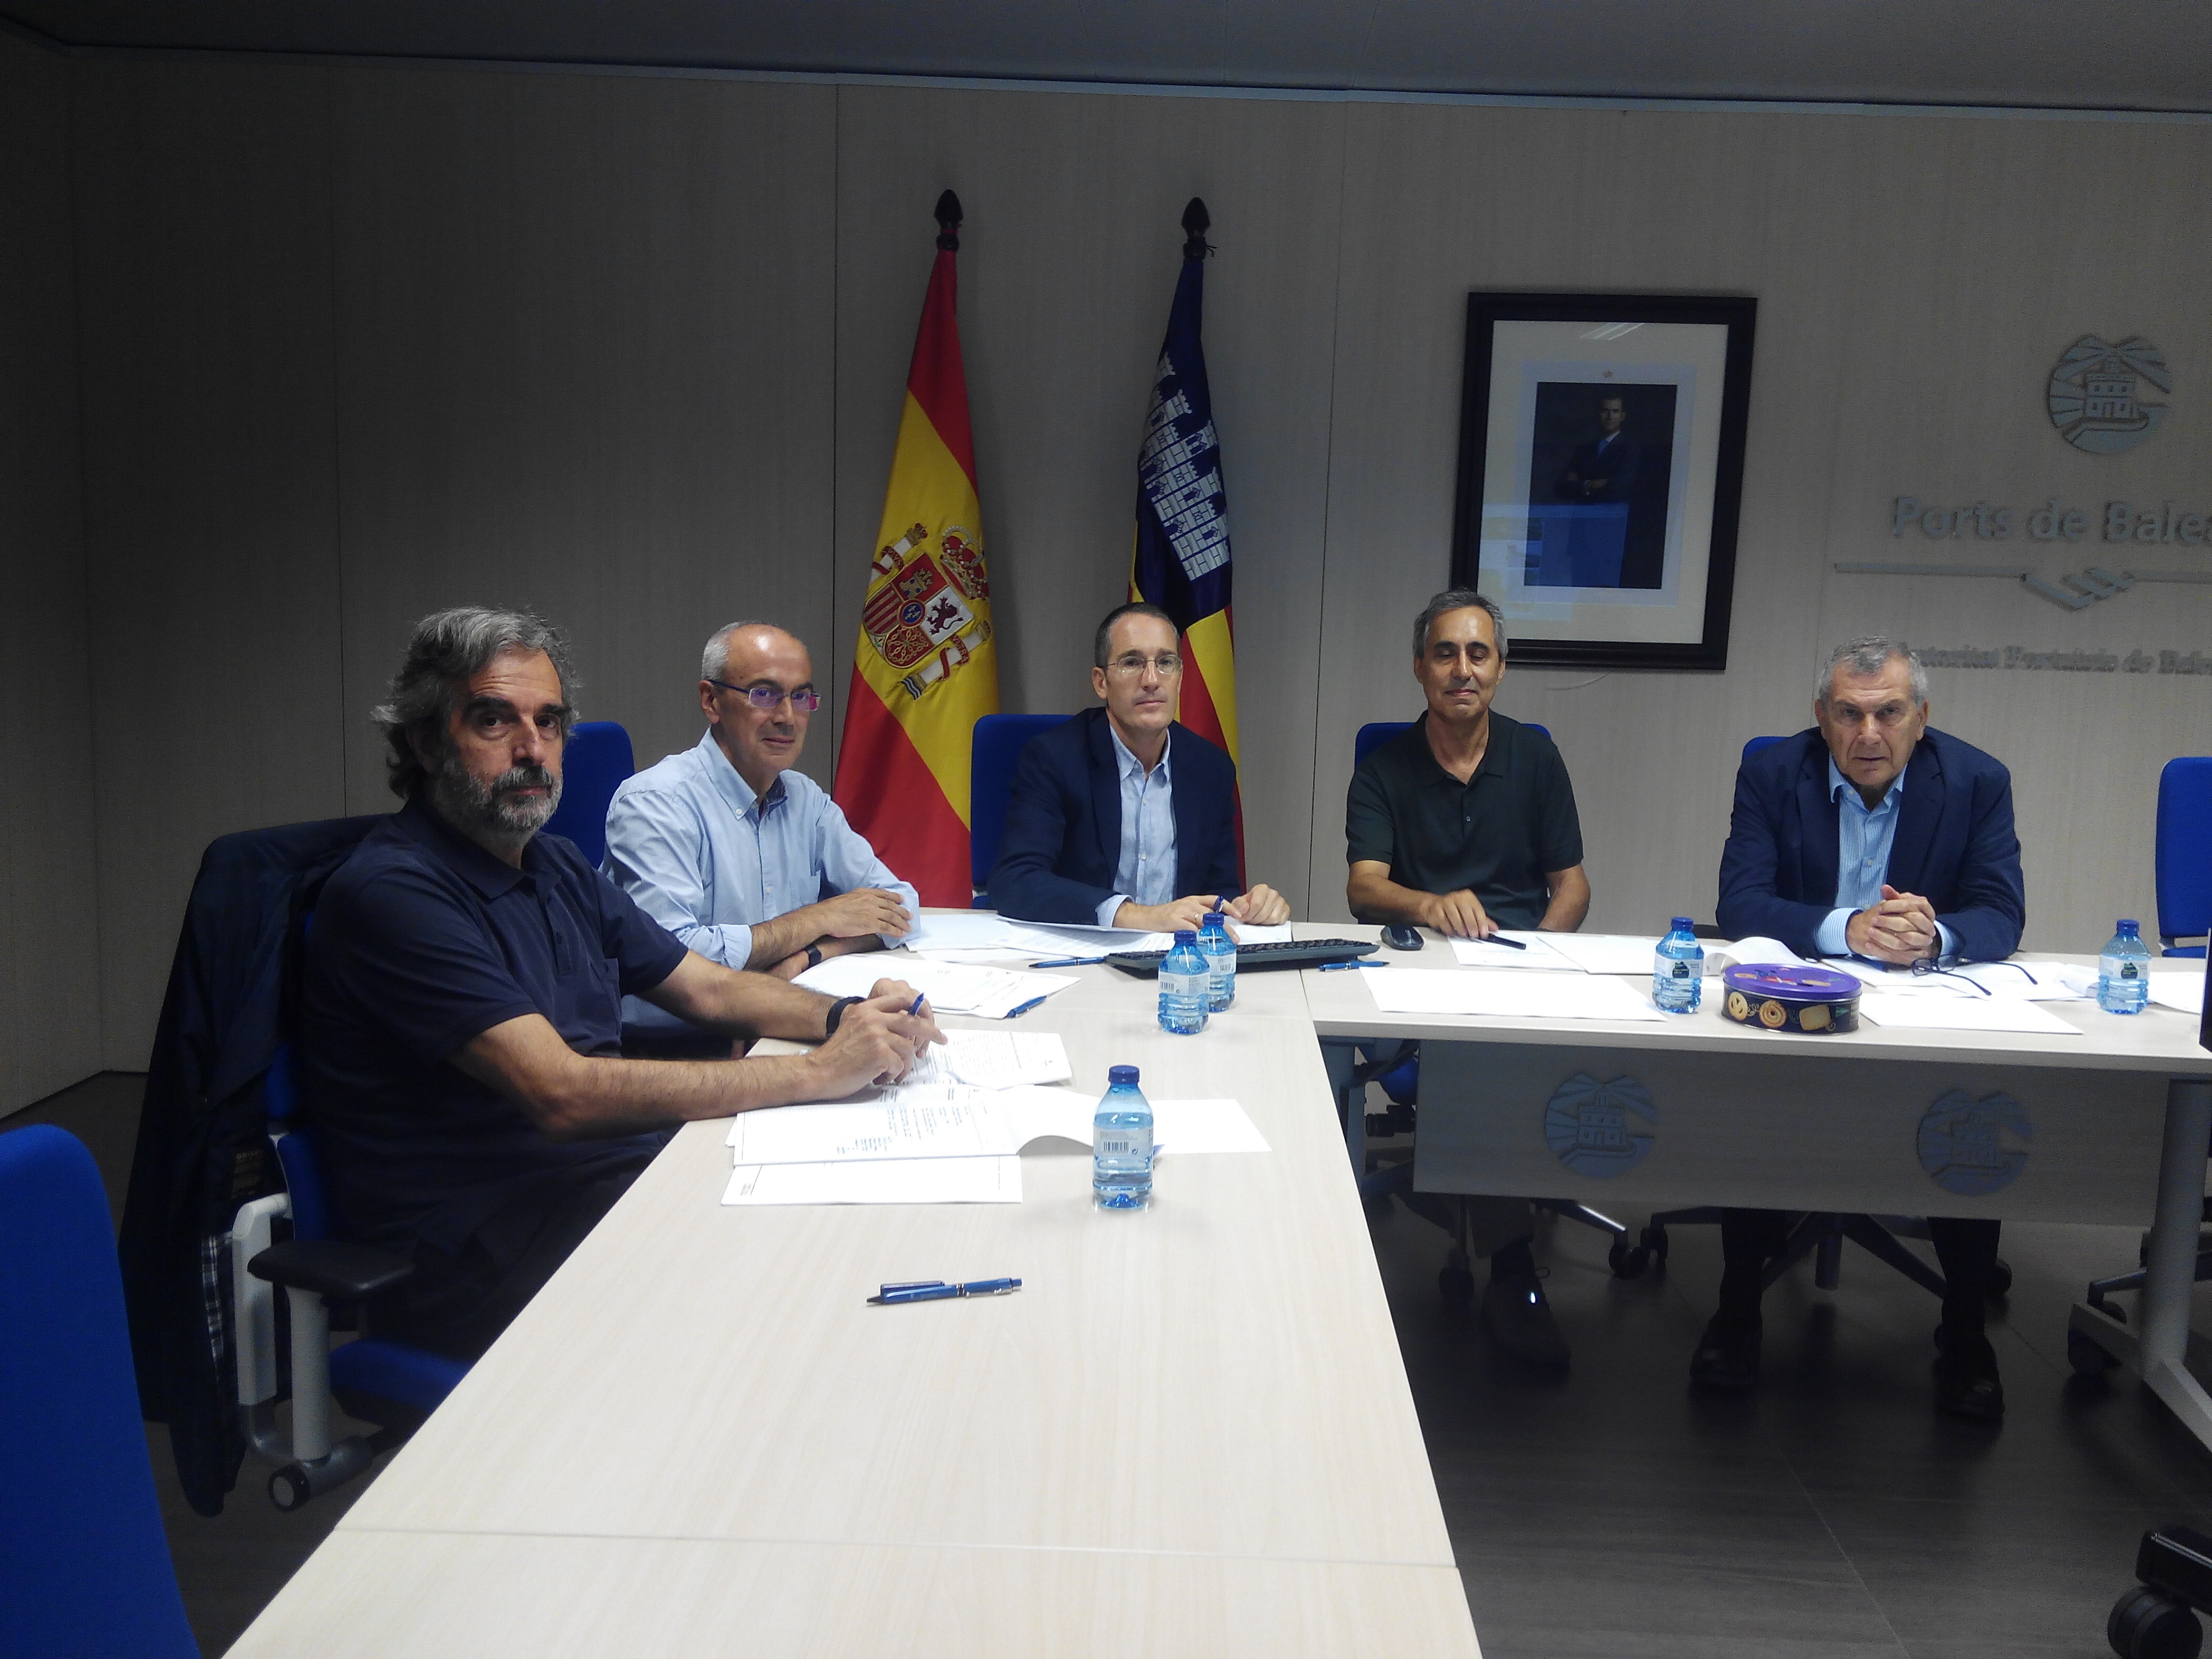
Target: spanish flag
(1180,559)
(924,671)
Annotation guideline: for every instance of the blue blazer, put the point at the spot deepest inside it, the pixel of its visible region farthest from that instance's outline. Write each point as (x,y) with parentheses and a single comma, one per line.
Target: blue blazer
(1954,845)
(1063,836)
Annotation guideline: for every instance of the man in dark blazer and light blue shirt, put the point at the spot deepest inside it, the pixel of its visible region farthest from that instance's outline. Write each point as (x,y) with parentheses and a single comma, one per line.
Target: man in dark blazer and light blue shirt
(1875,837)
(1123,817)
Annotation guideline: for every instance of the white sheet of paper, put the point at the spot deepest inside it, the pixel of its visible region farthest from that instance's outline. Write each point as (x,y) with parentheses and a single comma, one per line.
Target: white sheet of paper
(1187,1127)
(2183,991)
(1473,953)
(889,1180)
(1734,953)
(1514,996)
(1002,1060)
(1962,1013)
(1606,953)
(959,930)
(952,988)
(908,1120)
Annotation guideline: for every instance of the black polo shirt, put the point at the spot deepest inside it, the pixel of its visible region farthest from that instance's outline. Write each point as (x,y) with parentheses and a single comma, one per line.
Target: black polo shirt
(1497,834)
(422,941)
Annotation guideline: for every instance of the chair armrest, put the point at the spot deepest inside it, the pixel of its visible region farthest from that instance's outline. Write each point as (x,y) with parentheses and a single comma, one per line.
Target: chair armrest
(332,1269)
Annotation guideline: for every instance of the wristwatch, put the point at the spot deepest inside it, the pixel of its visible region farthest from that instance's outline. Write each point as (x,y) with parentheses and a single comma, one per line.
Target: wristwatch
(813,956)
(837,1012)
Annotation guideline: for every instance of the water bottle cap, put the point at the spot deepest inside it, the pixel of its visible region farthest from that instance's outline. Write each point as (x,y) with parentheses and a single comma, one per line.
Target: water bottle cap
(2123,926)
(1213,921)
(1118,1075)
(1185,936)
(1684,925)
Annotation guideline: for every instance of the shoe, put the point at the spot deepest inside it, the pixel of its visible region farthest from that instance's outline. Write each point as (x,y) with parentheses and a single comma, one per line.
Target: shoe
(1728,1355)
(1517,1316)
(1966,1384)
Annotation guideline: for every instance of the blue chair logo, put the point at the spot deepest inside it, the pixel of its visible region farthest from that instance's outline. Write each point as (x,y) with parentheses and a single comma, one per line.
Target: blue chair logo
(1600,1129)
(1970,1148)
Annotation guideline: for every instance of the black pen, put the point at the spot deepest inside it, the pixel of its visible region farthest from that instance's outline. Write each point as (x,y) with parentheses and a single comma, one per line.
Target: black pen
(1500,938)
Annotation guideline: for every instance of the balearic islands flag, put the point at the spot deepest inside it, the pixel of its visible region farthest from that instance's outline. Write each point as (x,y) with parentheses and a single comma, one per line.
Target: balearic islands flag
(1181,560)
(924,671)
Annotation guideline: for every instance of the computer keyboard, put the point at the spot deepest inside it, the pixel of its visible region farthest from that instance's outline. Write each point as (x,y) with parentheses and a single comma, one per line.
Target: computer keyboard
(1259,958)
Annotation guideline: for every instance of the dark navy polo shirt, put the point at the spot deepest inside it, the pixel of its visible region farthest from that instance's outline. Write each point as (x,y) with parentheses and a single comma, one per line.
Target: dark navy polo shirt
(1499,834)
(421,941)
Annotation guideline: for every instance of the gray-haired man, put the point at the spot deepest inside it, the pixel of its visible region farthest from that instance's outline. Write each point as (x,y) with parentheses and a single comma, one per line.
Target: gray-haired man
(459,1038)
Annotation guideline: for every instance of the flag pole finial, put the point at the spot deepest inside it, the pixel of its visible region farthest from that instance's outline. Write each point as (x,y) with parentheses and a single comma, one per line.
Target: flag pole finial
(948,222)
(1196,224)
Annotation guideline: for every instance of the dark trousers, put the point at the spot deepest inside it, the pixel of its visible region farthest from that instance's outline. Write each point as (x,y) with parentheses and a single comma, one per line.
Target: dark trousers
(458,1304)
(1966,1249)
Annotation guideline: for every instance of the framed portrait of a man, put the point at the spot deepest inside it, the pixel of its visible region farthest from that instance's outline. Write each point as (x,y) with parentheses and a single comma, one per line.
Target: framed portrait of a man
(1602,440)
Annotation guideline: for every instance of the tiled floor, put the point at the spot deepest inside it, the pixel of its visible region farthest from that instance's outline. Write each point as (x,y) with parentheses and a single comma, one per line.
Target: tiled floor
(1616,1514)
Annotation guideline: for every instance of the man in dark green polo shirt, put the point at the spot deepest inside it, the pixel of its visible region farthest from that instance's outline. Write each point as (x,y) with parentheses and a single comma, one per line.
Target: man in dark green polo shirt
(1466,824)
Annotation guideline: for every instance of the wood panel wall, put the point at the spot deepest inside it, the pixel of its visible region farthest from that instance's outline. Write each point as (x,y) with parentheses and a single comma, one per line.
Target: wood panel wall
(364,341)
(49,904)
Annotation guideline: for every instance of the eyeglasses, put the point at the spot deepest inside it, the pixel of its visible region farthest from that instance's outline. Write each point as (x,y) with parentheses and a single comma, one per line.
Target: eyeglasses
(1130,667)
(766,697)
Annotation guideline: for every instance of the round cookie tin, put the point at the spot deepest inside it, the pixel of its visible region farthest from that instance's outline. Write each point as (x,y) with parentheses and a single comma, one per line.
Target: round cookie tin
(1815,1000)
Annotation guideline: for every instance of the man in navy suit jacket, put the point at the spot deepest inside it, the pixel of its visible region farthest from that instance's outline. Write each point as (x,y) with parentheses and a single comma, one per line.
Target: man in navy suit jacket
(1123,817)
(1875,837)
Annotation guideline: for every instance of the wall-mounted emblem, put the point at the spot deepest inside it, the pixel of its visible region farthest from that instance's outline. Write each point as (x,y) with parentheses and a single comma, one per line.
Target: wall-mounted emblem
(1970,1148)
(1600,1129)
(2099,394)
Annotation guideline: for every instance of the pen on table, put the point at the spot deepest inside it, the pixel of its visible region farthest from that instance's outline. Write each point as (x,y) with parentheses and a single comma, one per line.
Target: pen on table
(1017,1011)
(1331,967)
(939,1290)
(1500,938)
(1068,962)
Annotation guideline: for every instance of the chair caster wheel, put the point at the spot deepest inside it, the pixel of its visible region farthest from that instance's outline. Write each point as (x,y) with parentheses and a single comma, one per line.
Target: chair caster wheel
(288,1488)
(1655,1240)
(2087,1359)
(1627,1260)
(2000,1279)
(2145,1625)
(1456,1287)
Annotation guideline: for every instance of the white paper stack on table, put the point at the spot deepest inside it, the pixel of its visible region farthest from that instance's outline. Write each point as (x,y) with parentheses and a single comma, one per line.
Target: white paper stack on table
(950,1132)
(952,988)
(1587,953)
(983,936)
(1510,995)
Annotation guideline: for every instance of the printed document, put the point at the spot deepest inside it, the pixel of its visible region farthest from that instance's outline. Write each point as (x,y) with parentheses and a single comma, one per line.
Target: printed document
(952,988)
(1513,996)
(1965,1013)
(1474,953)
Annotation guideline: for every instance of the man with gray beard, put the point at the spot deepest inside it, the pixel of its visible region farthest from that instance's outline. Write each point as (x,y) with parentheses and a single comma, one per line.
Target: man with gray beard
(459,1031)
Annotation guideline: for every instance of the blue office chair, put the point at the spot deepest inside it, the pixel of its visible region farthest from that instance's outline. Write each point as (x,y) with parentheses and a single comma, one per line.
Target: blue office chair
(84,1565)
(596,761)
(2183,858)
(996,750)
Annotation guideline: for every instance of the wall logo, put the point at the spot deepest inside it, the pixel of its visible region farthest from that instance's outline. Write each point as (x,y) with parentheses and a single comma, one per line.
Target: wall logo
(1598,1128)
(2097,393)
(1970,1148)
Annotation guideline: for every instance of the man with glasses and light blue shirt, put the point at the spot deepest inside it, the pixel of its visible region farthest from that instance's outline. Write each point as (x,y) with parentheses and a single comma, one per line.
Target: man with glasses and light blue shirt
(1872,836)
(747,862)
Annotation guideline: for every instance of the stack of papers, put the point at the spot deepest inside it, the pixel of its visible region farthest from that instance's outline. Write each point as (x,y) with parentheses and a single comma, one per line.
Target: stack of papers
(2184,991)
(1512,996)
(971,935)
(1963,1013)
(952,988)
(1588,953)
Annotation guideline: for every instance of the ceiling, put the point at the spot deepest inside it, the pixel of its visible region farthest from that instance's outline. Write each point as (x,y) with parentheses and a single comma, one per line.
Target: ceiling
(2094,54)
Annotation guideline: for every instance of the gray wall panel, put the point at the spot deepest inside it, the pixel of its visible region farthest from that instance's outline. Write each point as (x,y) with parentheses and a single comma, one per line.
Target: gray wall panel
(586,339)
(203,247)
(49,900)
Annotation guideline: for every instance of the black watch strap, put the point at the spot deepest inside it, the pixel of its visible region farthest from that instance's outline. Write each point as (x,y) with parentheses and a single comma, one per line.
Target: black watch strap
(814,956)
(837,1013)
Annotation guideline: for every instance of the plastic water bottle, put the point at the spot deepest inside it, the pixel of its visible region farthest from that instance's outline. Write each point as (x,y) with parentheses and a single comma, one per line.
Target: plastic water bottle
(2124,972)
(1186,982)
(1220,953)
(1678,970)
(1121,1143)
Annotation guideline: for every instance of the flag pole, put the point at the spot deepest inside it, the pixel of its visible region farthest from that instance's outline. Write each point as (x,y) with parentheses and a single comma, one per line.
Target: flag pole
(1196,224)
(949,220)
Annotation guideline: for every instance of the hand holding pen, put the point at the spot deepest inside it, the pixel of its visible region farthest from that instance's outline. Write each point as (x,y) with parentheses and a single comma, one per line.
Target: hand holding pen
(876,1040)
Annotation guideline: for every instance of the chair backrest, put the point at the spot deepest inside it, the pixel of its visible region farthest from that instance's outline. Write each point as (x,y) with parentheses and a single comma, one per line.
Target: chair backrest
(1755,744)
(996,749)
(1373,735)
(84,1565)
(597,760)
(2183,861)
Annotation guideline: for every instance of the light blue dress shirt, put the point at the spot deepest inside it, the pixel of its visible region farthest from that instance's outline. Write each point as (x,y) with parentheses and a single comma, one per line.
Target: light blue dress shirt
(1864,837)
(1145,870)
(704,857)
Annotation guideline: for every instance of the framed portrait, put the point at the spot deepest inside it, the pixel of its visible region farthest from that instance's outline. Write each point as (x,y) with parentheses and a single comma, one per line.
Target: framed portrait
(1600,473)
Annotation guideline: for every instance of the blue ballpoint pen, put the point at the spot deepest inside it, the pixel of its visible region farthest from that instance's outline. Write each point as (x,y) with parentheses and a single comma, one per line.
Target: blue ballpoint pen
(1331,967)
(1017,1012)
(917,1006)
(1068,962)
(940,1292)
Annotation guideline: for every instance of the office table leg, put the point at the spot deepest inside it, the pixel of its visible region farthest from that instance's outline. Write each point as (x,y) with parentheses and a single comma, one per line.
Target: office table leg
(2158,1348)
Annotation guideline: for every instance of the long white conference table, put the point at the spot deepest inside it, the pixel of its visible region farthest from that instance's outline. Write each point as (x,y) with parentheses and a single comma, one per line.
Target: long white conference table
(1190,1433)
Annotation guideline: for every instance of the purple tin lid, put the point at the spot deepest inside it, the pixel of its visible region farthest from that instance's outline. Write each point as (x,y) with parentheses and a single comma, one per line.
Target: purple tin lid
(1773,979)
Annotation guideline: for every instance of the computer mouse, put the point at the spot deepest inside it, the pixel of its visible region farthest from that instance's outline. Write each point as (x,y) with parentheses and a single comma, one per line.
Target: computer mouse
(1402,936)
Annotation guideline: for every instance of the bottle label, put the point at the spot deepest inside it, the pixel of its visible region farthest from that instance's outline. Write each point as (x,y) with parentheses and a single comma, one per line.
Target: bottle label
(1681,971)
(2128,970)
